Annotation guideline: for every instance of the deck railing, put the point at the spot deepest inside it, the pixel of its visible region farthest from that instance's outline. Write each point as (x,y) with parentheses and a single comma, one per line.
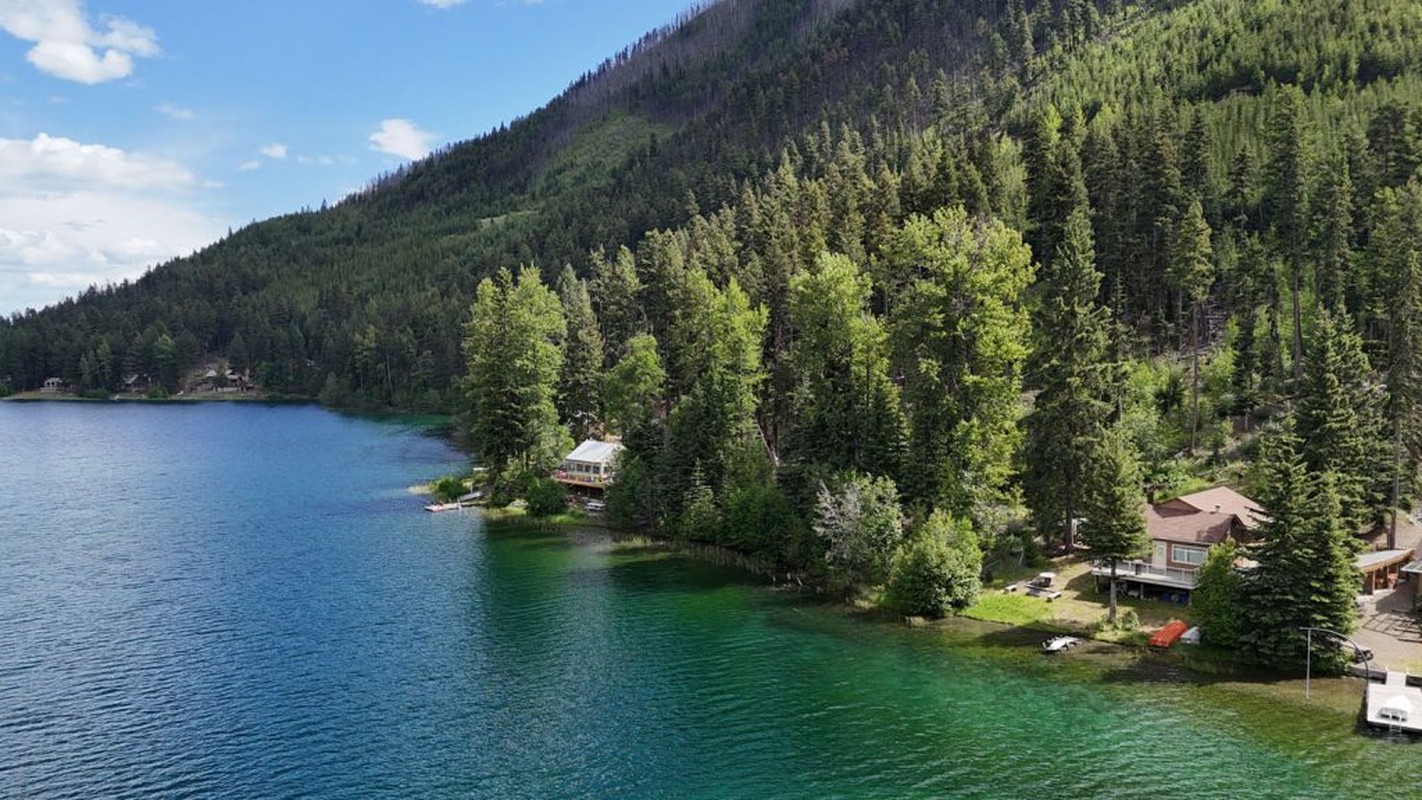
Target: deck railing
(581,478)
(1149,573)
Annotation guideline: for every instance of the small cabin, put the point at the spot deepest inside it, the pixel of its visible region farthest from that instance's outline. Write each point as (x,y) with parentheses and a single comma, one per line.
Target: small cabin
(52,385)
(590,465)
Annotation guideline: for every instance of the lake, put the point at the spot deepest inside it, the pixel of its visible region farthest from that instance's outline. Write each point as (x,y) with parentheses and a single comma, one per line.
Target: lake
(231,600)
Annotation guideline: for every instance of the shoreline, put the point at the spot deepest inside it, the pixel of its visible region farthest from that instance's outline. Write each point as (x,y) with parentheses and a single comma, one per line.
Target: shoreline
(1117,661)
(204,397)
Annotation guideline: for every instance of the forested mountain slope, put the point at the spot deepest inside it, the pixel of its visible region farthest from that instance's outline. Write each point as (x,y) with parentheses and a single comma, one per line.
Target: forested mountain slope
(876,110)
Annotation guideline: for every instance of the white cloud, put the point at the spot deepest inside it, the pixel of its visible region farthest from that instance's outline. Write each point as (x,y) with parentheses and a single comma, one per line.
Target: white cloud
(442,4)
(275,150)
(74,214)
(68,47)
(55,163)
(176,112)
(44,258)
(403,138)
(248,166)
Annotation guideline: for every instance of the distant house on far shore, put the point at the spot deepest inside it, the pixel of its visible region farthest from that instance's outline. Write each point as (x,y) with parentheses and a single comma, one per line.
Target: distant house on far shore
(52,385)
(590,466)
(1182,531)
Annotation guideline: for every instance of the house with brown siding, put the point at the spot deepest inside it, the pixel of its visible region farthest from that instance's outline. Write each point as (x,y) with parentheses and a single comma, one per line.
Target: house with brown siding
(1181,533)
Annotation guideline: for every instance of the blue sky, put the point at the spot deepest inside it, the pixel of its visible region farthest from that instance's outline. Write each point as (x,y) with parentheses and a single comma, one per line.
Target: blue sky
(132,131)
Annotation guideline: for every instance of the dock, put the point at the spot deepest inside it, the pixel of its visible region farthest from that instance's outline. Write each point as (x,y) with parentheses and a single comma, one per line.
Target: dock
(1395,704)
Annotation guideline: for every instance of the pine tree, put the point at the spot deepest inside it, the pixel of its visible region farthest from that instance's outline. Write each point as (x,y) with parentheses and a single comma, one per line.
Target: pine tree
(1305,575)
(1195,165)
(514,359)
(1338,435)
(1333,239)
(615,292)
(1289,165)
(1395,144)
(1068,370)
(1192,272)
(579,385)
(1113,505)
(1399,230)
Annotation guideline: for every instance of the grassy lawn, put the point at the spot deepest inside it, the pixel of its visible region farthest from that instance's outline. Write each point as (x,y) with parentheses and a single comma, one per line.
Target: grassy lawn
(1011,609)
(1080,608)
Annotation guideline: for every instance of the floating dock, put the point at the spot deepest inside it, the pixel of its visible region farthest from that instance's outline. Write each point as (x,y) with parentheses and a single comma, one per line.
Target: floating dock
(1395,704)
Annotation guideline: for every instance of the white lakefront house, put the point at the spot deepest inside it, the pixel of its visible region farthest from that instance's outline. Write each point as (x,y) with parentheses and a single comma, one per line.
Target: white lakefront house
(590,466)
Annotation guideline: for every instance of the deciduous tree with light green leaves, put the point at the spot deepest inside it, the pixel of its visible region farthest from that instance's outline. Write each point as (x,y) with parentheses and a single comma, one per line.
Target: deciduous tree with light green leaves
(960,336)
(722,369)
(850,414)
(512,346)
(633,388)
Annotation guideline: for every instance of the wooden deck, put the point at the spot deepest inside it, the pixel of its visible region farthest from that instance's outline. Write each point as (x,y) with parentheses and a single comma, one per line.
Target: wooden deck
(1146,572)
(582,479)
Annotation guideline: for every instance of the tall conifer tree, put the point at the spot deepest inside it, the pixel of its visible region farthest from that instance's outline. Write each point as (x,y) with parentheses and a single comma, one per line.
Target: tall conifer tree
(1068,369)
(579,384)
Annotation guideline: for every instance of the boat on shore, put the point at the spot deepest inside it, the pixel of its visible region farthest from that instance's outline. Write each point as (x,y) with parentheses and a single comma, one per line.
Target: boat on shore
(1059,644)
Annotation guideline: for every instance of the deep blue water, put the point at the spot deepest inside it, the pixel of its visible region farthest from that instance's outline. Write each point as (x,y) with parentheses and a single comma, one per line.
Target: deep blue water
(240,601)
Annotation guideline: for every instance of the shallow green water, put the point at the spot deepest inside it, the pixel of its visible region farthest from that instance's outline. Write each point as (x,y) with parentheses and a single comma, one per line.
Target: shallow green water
(246,601)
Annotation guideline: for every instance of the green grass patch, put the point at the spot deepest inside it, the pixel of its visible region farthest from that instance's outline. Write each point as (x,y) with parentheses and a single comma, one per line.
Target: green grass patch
(1010,609)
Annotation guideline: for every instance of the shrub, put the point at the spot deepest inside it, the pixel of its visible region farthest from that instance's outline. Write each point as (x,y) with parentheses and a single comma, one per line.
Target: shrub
(1219,596)
(447,489)
(861,523)
(759,520)
(938,571)
(508,485)
(546,497)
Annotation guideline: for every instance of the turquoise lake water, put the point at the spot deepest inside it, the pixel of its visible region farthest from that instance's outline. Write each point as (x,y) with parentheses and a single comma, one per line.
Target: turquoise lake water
(245,601)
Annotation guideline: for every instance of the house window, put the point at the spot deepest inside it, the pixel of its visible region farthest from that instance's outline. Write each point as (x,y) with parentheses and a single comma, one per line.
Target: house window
(1181,554)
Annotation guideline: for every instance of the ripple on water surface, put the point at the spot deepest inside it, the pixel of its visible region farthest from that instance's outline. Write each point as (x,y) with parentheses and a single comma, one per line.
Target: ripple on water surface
(236,601)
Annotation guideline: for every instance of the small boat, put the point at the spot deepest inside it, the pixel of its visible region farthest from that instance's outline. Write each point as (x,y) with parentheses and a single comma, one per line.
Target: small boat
(1169,635)
(1059,644)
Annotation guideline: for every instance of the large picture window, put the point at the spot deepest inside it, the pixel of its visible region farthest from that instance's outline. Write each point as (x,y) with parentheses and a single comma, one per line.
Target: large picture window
(1184,554)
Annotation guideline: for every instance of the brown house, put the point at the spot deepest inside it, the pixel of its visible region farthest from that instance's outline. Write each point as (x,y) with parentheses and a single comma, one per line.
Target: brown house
(1181,532)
